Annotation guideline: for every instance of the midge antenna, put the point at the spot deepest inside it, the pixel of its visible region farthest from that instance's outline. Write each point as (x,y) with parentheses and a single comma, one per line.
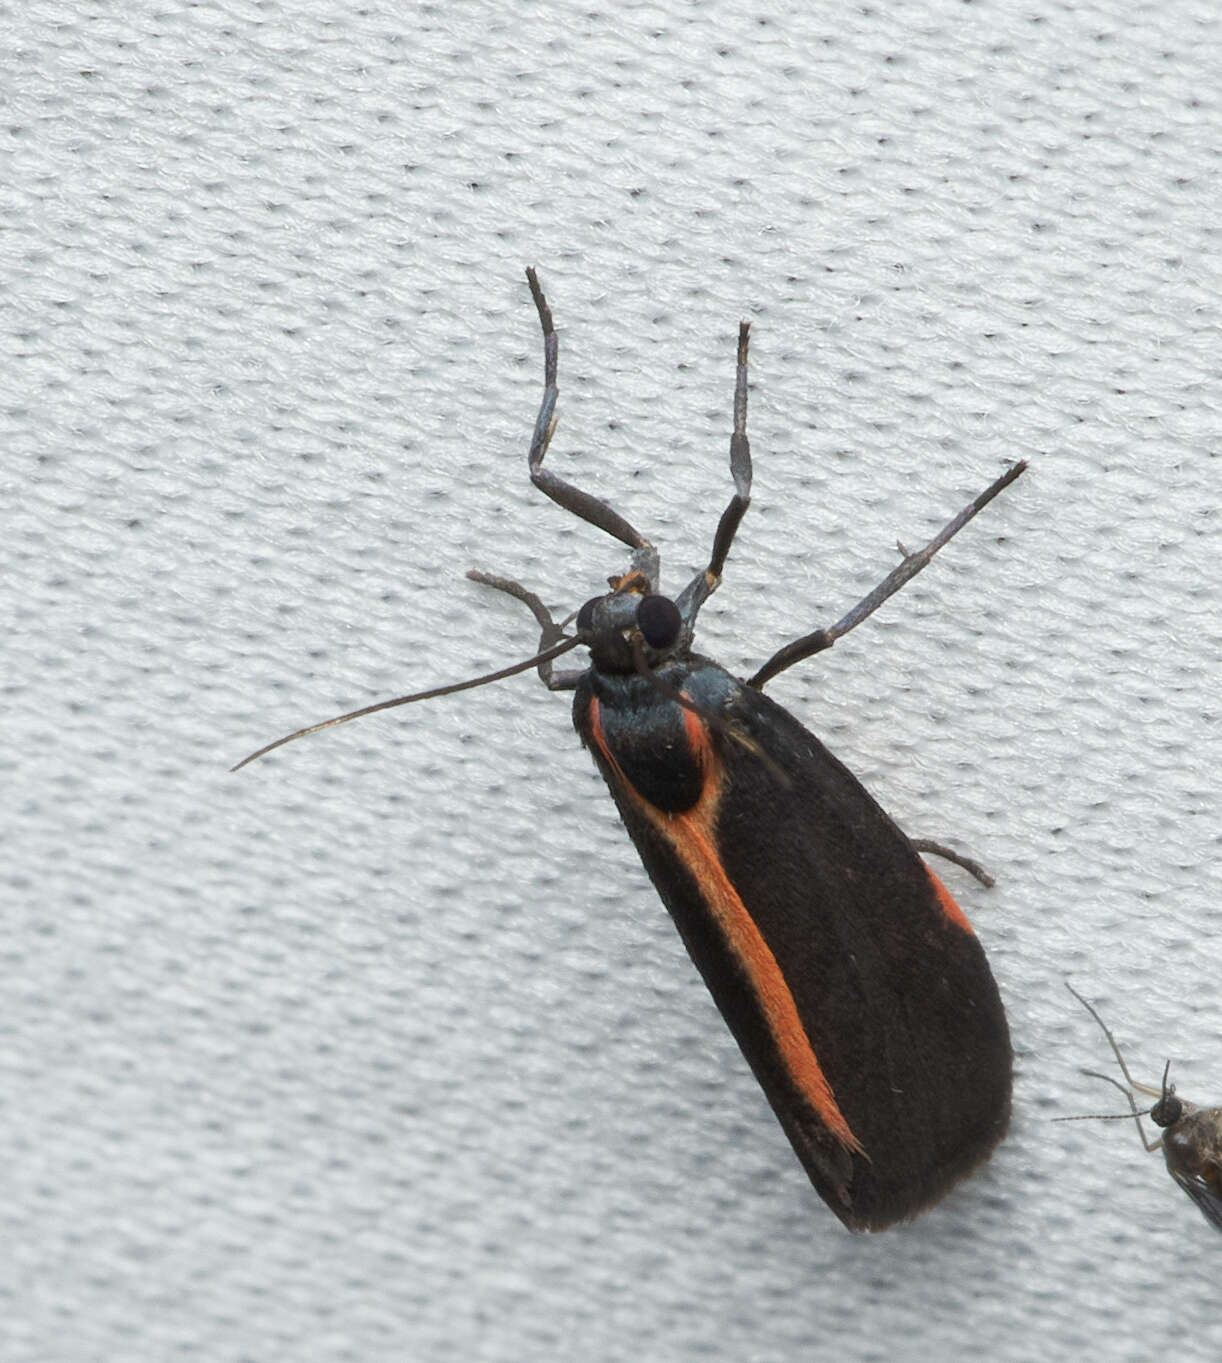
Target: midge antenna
(642,579)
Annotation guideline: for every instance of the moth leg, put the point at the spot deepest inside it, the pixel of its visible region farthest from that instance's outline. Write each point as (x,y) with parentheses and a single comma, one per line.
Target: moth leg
(912,564)
(939,849)
(551,632)
(702,586)
(583,504)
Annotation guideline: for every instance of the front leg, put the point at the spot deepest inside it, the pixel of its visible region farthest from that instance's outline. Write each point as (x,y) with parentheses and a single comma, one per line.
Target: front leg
(550,632)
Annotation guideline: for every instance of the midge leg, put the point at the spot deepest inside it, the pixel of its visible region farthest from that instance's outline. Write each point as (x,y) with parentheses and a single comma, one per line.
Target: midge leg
(1151,1146)
(1111,1041)
(1124,1069)
(584,504)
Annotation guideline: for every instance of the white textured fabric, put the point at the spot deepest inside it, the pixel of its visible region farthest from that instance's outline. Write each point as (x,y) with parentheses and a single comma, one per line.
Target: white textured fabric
(385,1049)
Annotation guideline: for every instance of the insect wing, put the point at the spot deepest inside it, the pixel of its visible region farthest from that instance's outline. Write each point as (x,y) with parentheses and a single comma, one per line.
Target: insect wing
(852,982)
(1192,1148)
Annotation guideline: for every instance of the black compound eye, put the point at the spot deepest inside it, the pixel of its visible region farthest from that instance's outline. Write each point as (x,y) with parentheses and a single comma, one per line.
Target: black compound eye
(1167,1111)
(585,616)
(658,619)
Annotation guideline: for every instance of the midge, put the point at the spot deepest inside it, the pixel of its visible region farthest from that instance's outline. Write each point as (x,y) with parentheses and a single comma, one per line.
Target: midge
(848,975)
(1192,1136)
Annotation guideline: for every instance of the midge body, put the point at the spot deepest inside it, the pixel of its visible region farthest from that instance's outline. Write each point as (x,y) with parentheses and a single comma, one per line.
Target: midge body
(1192,1136)
(846,972)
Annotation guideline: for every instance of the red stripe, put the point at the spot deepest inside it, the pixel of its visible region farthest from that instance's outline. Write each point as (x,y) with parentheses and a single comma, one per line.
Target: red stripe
(947,904)
(693,837)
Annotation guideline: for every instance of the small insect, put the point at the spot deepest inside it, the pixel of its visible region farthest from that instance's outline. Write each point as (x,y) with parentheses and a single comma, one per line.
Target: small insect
(1192,1136)
(846,972)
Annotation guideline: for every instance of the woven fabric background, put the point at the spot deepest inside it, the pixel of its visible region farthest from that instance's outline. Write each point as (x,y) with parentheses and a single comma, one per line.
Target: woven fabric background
(384,1049)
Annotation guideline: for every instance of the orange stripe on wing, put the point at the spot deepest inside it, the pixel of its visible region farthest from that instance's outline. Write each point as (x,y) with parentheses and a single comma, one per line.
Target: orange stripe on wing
(947,903)
(693,838)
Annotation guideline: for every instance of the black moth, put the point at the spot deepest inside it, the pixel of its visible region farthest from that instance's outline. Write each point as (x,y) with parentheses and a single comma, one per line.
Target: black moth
(846,972)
